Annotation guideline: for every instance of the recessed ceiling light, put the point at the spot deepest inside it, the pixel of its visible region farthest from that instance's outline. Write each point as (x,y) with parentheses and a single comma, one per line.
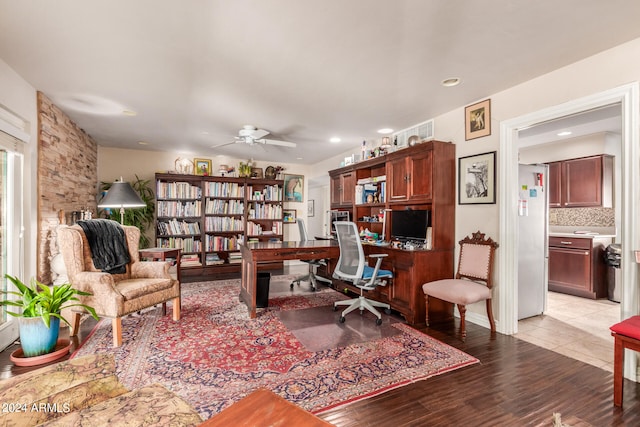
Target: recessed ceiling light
(385,130)
(298,158)
(143,143)
(129,113)
(453,81)
(335,139)
(564,133)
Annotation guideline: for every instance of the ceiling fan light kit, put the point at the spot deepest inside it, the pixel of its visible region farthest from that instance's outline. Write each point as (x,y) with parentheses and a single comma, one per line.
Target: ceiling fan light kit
(251,135)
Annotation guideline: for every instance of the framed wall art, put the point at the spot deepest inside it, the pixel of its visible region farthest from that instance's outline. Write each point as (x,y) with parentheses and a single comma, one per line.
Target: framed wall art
(289,216)
(477,120)
(311,208)
(477,179)
(202,166)
(293,188)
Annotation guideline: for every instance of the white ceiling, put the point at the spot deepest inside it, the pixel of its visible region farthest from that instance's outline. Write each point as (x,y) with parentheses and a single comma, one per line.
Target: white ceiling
(195,72)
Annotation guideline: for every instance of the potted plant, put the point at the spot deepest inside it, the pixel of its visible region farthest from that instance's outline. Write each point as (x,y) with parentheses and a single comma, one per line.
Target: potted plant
(41,305)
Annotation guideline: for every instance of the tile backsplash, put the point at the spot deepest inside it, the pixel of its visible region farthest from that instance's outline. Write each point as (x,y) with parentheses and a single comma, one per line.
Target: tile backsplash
(596,217)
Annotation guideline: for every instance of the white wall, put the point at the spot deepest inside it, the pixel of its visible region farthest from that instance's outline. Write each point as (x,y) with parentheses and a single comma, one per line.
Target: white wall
(19,97)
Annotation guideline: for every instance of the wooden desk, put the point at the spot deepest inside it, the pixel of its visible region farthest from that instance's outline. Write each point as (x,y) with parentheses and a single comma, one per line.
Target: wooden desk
(254,253)
(264,408)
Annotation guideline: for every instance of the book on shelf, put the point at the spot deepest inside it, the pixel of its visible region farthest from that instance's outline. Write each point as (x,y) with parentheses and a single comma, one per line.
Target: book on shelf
(235,258)
(190,260)
(213,259)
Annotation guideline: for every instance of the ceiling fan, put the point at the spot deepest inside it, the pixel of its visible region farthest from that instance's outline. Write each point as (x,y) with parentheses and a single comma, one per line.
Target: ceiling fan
(251,135)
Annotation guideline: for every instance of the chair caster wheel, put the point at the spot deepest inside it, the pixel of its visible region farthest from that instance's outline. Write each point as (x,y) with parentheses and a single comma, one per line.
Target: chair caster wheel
(291,285)
(387,311)
(378,322)
(335,308)
(342,319)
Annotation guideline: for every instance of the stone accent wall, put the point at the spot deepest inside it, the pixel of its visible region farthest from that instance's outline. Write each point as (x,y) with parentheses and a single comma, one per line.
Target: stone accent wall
(67,177)
(594,217)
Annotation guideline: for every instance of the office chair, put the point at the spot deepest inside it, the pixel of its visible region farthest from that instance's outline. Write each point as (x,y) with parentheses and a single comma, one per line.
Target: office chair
(311,276)
(352,267)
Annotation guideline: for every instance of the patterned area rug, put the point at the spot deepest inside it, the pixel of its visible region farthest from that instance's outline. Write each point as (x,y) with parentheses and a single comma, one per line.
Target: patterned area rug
(215,355)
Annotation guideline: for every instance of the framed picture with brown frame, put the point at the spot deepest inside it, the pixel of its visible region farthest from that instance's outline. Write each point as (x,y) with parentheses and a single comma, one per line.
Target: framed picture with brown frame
(477,120)
(202,166)
(289,216)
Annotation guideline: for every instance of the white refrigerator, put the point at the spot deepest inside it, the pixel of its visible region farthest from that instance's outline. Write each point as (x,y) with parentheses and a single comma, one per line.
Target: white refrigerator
(533,253)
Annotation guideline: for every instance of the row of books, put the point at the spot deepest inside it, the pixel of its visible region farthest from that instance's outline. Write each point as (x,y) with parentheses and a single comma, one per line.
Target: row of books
(265,211)
(224,189)
(176,227)
(223,223)
(177,190)
(269,192)
(235,258)
(224,207)
(213,259)
(190,260)
(187,244)
(254,229)
(221,243)
(169,208)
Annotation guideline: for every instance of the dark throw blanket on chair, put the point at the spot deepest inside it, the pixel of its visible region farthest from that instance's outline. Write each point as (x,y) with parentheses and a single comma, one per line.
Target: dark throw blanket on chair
(108,245)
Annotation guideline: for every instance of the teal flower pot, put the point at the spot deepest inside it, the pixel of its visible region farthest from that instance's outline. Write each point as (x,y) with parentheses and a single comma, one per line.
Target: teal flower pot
(35,338)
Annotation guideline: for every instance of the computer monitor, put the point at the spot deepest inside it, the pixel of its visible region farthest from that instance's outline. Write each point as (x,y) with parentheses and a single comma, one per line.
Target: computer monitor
(410,224)
(335,215)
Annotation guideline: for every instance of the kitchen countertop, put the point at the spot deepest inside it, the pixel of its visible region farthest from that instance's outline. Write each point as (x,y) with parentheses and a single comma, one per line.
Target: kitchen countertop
(591,232)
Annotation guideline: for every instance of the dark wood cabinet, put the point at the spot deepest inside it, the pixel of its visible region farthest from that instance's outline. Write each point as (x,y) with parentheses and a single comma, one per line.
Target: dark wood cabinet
(343,186)
(576,266)
(410,178)
(582,182)
(418,177)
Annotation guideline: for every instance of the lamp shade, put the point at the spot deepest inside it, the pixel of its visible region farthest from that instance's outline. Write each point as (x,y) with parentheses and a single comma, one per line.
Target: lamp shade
(121,195)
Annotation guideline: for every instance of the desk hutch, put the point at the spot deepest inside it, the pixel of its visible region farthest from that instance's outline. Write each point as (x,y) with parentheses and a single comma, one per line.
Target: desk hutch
(418,177)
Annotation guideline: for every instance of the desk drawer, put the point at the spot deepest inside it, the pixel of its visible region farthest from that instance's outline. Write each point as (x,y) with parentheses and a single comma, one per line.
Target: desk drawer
(570,242)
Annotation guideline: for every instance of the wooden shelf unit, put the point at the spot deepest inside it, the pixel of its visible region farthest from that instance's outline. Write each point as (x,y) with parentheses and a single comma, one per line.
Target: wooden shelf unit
(418,177)
(207,216)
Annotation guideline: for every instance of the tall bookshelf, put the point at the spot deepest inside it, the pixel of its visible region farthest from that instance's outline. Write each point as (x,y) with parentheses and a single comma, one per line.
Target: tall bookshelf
(207,217)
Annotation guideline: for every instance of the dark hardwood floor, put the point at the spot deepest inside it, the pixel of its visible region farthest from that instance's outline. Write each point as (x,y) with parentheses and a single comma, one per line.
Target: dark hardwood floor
(515,384)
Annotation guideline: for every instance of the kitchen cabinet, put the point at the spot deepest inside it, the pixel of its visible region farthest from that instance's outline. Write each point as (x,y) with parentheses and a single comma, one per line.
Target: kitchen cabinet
(343,186)
(582,182)
(576,266)
(410,178)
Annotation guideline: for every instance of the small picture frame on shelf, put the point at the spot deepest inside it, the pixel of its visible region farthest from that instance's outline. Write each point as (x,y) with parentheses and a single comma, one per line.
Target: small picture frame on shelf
(202,166)
(289,216)
(257,173)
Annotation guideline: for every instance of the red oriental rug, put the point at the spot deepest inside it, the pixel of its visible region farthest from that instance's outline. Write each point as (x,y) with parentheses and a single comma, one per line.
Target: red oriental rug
(215,355)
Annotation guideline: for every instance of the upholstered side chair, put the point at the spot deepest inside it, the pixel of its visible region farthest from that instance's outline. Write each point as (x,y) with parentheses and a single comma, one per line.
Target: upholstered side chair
(142,285)
(312,275)
(473,281)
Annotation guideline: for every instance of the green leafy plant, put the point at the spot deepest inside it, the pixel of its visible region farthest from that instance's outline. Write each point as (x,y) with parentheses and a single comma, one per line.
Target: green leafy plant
(143,218)
(39,300)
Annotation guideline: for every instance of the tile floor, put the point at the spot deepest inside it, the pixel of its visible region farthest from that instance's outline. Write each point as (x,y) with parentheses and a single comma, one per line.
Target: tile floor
(575,327)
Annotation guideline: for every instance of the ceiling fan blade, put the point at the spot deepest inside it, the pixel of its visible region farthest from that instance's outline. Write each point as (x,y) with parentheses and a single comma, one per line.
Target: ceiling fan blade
(259,133)
(226,143)
(276,142)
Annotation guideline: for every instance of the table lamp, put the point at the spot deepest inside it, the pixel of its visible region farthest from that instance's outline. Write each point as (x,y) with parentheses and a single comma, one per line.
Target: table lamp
(121,195)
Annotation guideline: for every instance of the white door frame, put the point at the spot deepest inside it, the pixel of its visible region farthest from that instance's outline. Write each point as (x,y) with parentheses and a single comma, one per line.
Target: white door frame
(507,256)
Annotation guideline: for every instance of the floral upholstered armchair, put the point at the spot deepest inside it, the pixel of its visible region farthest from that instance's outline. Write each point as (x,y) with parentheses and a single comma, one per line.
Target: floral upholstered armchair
(141,285)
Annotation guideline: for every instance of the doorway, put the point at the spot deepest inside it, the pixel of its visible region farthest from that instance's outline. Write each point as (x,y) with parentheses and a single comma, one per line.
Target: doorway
(628,97)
